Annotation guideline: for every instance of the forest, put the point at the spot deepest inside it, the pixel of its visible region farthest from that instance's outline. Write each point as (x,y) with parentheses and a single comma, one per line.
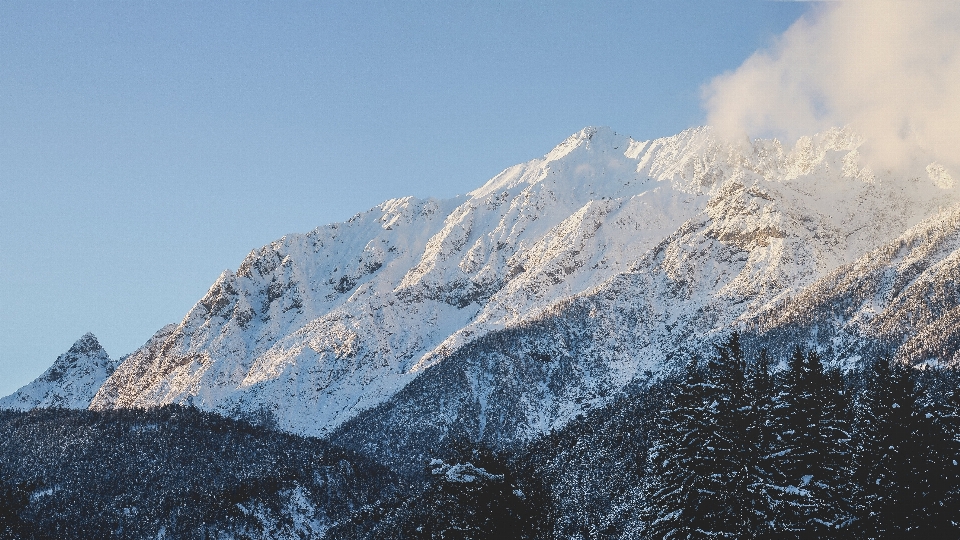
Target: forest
(721,447)
(805,452)
(172,472)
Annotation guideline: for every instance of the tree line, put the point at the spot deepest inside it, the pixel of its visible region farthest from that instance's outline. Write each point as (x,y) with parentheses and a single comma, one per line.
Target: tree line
(744,451)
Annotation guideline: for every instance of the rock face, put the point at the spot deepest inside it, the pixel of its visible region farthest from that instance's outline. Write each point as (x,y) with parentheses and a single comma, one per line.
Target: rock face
(545,292)
(900,299)
(71,382)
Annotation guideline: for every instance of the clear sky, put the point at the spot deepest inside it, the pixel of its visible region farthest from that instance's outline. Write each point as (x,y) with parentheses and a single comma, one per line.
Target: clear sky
(147,146)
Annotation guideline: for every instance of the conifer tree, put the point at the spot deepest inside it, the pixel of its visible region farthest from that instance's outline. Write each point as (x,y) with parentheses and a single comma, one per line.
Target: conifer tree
(13,500)
(673,485)
(888,459)
(728,455)
(945,459)
(812,449)
(699,481)
(762,443)
(797,428)
(833,515)
(933,486)
(872,419)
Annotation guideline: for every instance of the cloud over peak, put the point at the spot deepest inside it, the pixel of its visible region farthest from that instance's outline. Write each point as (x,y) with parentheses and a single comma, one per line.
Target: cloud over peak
(890,69)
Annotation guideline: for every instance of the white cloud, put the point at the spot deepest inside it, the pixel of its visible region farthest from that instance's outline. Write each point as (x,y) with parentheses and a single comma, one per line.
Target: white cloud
(888,68)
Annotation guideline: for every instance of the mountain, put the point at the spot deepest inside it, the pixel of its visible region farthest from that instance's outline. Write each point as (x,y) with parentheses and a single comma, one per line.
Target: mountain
(71,382)
(343,317)
(172,472)
(900,298)
(559,284)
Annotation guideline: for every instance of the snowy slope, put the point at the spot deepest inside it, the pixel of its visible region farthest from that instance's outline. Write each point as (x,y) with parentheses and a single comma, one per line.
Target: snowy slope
(70,382)
(776,230)
(322,325)
(902,298)
(541,293)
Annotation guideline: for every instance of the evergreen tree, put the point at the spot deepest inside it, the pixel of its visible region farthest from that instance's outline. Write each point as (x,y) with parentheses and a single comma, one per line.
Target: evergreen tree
(936,481)
(762,440)
(946,458)
(889,463)
(673,484)
(797,428)
(13,501)
(833,514)
(871,443)
(468,501)
(812,449)
(700,467)
(729,454)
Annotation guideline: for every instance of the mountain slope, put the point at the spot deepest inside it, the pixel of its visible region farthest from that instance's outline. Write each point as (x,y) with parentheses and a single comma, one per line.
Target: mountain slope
(902,298)
(769,238)
(343,317)
(175,472)
(71,382)
(541,294)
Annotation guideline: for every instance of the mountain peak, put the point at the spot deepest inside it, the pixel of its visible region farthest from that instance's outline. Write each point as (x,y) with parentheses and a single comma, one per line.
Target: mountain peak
(588,132)
(70,382)
(590,136)
(86,345)
(580,149)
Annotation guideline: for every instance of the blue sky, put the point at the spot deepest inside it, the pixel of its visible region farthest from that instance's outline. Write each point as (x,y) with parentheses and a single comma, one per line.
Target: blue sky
(147,146)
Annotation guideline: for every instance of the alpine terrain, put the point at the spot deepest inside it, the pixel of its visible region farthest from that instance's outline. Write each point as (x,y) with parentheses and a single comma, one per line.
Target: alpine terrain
(556,284)
(561,287)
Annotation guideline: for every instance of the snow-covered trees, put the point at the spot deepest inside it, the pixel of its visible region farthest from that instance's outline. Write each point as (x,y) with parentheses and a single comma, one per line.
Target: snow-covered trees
(907,477)
(742,453)
(762,438)
(701,481)
(677,472)
(173,472)
(808,466)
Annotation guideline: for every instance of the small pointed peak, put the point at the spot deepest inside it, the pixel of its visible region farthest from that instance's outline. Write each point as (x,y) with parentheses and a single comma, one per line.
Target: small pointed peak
(87,344)
(602,138)
(590,132)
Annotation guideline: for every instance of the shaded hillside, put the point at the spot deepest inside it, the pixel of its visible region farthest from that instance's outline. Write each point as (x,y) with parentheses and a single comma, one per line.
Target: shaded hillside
(173,472)
(592,467)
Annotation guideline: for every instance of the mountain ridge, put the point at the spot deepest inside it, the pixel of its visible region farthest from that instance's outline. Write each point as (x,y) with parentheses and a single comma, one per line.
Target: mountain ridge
(605,258)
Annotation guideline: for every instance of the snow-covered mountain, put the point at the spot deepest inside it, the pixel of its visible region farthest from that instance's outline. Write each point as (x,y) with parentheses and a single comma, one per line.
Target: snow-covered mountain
(902,298)
(562,280)
(71,382)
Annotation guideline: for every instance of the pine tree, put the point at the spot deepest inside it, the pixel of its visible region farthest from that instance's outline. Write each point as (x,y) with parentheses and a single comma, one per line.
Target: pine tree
(812,450)
(797,426)
(699,481)
(673,483)
(761,438)
(729,454)
(833,514)
(889,465)
(936,483)
(13,500)
(872,419)
(946,459)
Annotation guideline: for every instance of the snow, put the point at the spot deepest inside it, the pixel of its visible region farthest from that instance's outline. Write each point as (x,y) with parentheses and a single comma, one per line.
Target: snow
(461,473)
(71,382)
(661,244)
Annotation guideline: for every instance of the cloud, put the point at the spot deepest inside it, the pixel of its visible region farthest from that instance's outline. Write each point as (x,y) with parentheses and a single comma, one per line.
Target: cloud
(889,69)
